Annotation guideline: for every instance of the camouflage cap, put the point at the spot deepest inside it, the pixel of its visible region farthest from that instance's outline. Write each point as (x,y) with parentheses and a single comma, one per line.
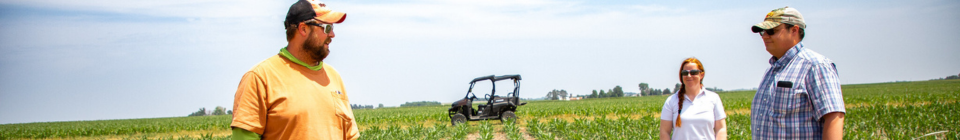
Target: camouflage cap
(780,15)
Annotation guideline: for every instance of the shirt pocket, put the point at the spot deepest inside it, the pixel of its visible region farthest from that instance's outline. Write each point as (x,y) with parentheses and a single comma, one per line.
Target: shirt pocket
(789,100)
(343,110)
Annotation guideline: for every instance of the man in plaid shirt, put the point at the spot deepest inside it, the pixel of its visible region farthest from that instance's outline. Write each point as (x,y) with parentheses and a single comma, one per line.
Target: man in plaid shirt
(799,97)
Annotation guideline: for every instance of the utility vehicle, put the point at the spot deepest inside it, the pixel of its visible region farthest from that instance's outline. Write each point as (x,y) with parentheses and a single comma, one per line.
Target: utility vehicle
(496,107)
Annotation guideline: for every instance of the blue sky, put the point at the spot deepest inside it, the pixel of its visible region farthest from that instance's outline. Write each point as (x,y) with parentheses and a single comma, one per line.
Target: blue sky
(104,59)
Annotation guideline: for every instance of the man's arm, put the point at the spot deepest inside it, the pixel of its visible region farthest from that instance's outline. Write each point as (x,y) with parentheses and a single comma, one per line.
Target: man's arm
(241,134)
(827,94)
(833,126)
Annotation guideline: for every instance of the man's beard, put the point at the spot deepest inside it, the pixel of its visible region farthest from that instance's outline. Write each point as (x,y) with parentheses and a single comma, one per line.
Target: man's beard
(315,48)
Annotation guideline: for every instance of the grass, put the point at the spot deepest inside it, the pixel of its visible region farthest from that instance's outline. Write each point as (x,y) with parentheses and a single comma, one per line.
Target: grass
(901,110)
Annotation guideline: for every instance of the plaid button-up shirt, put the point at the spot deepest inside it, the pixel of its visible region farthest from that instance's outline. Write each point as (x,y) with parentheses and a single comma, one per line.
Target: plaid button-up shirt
(796,91)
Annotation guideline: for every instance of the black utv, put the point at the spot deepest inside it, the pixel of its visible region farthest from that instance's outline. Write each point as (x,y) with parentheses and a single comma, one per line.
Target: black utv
(496,107)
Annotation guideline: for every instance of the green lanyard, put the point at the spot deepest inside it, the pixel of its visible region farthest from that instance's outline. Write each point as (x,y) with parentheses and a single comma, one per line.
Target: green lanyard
(285,53)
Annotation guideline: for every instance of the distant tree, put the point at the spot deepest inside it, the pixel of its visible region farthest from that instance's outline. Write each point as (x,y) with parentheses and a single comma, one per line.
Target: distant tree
(381,106)
(666,91)
(358,106)
(557,94)
(419,103)
(618,91)
(715,89)
(552,95)
(953,77)
(201,112)
(229,112)
(602,94)
(677,87)
(564,94)
(219,110)
(594,94)
(644,87)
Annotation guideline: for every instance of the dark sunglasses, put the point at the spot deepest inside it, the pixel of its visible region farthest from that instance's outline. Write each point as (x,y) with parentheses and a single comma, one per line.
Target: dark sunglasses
(767,32)
(773,30)
(689,72)
(327,28)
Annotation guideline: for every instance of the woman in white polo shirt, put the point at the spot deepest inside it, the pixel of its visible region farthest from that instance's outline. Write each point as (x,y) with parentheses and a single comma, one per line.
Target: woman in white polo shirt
(693,112)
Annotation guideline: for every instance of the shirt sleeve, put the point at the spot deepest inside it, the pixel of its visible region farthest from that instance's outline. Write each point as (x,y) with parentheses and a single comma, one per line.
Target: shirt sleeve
(823,86)
(718,111)
(669,106)
(249,104)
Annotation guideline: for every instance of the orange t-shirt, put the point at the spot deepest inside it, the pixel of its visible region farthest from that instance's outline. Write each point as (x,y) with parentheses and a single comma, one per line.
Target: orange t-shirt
(279,99)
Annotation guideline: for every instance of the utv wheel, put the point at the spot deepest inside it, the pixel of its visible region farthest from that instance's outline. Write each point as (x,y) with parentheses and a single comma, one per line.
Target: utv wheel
(458,119)
(508,116)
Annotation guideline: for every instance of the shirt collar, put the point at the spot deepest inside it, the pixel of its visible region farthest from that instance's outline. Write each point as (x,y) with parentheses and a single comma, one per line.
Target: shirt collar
(703,92)
(789,55)
(289,56)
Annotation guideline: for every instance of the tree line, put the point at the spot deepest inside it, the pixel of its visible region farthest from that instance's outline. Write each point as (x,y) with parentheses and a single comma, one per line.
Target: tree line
(555,94)
(219,110)
(645,89)
(420,103)
(617,91)
(948,77)
(358,106)
(558,95)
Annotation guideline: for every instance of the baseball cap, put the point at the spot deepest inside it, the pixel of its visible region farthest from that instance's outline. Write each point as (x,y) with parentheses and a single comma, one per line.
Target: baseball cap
(778,16)
(304,10)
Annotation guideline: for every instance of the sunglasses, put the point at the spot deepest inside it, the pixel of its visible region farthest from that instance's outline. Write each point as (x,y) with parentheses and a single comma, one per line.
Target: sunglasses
(771,31)
(690,72)
(767,32)
(327,28)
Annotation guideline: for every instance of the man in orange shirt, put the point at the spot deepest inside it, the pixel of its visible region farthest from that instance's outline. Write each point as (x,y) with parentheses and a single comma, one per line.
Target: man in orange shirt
(294,94)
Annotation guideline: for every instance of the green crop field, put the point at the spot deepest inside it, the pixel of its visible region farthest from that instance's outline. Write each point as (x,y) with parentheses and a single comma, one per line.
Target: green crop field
(901,110)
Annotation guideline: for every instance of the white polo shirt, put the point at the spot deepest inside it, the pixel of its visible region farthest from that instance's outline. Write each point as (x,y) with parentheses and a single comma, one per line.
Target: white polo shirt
(697,118)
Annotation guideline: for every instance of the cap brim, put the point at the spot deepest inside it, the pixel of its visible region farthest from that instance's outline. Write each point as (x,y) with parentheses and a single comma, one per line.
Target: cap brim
(333,17)
(765,25)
